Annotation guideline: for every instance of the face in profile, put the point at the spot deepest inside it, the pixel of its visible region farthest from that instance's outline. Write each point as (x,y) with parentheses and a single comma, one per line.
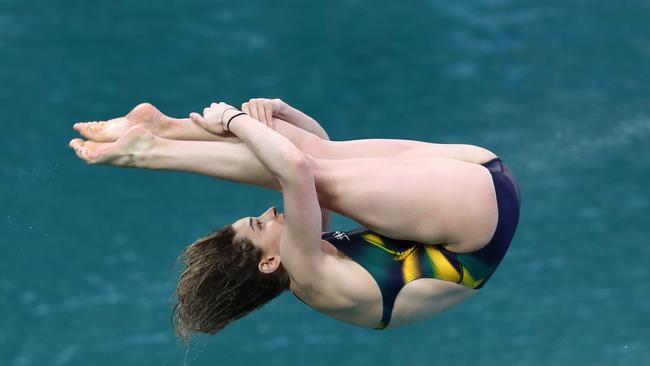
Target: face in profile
(220,283)
(264,232)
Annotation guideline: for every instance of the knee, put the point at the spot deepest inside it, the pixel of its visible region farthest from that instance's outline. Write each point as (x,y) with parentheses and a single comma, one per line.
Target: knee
(314,145)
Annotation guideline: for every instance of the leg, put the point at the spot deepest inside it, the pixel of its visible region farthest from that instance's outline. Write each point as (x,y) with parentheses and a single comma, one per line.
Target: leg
(140,148)
(148,115)
(430,200)
(184,129)
(393,148)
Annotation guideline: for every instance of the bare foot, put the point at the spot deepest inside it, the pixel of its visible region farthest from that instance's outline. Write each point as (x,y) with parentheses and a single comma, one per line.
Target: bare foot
(127,151)
(111,130)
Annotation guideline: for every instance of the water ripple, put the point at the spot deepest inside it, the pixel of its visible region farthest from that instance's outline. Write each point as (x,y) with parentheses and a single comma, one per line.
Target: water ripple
(66,354)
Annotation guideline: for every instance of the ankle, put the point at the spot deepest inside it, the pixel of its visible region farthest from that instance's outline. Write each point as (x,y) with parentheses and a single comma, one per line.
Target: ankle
(148,155)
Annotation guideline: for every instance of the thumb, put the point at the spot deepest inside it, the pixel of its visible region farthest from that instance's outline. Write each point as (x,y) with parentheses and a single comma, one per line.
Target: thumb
(197,118)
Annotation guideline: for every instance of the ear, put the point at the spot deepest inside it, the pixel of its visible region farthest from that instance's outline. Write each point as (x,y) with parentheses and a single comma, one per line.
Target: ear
(269,264)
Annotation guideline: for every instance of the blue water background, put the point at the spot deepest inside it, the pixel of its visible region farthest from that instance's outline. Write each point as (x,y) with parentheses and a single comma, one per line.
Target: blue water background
(559,89)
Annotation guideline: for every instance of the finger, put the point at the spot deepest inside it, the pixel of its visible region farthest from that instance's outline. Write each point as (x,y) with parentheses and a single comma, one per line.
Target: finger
(268,109)
(197,118)
(261,113)
(253,110)
(245,109)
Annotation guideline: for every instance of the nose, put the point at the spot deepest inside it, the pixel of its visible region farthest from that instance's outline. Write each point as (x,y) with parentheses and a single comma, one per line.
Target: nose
(272,211)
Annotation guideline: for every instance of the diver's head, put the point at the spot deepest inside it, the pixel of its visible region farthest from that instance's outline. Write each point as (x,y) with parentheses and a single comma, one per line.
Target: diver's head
(265,232)
(229,273)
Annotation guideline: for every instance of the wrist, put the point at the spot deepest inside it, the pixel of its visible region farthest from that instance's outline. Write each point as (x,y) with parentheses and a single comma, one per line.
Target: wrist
(229,118)
(288,113)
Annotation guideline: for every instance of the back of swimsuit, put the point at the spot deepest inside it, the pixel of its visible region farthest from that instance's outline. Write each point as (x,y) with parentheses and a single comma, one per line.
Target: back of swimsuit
(394,263)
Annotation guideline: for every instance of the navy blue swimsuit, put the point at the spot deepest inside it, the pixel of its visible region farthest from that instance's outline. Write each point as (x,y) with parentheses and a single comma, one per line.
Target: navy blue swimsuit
(394,263)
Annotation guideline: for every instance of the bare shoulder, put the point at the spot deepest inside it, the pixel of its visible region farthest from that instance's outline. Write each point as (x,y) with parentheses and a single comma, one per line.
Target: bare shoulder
(346,292)
(340,285)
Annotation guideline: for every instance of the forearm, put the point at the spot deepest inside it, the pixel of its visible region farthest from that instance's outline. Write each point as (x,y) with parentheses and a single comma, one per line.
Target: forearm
(303,121)
(276,152)
(185,129)
(225,158)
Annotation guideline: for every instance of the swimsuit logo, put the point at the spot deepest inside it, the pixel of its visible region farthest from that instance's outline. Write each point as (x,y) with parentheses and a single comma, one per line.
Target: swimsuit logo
(340,235)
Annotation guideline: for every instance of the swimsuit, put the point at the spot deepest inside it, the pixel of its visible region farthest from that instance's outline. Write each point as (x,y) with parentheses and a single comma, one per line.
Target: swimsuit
(394,263)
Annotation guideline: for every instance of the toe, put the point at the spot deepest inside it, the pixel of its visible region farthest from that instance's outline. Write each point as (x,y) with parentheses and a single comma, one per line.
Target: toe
(89,152)
(95,131)
(83,128)
(76,143)
(78,146)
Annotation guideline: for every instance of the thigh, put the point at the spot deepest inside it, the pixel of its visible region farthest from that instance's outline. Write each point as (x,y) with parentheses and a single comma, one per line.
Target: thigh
(389,148)
(430,200)
(379,148)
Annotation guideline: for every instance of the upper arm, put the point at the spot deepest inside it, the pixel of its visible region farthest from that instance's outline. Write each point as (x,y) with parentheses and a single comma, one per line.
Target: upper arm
(300,244)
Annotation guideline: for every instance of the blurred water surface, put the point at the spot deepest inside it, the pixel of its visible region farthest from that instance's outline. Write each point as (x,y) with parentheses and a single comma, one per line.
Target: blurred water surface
(559,89)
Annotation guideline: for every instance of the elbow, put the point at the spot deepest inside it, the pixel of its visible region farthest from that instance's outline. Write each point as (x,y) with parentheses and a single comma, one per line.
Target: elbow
(297,166)
(297,162)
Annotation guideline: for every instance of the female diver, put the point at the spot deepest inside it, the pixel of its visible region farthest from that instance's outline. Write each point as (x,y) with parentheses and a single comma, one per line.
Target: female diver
(437,219)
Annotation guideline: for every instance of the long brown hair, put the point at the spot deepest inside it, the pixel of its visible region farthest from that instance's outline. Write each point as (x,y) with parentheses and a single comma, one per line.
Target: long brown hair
(222,283)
